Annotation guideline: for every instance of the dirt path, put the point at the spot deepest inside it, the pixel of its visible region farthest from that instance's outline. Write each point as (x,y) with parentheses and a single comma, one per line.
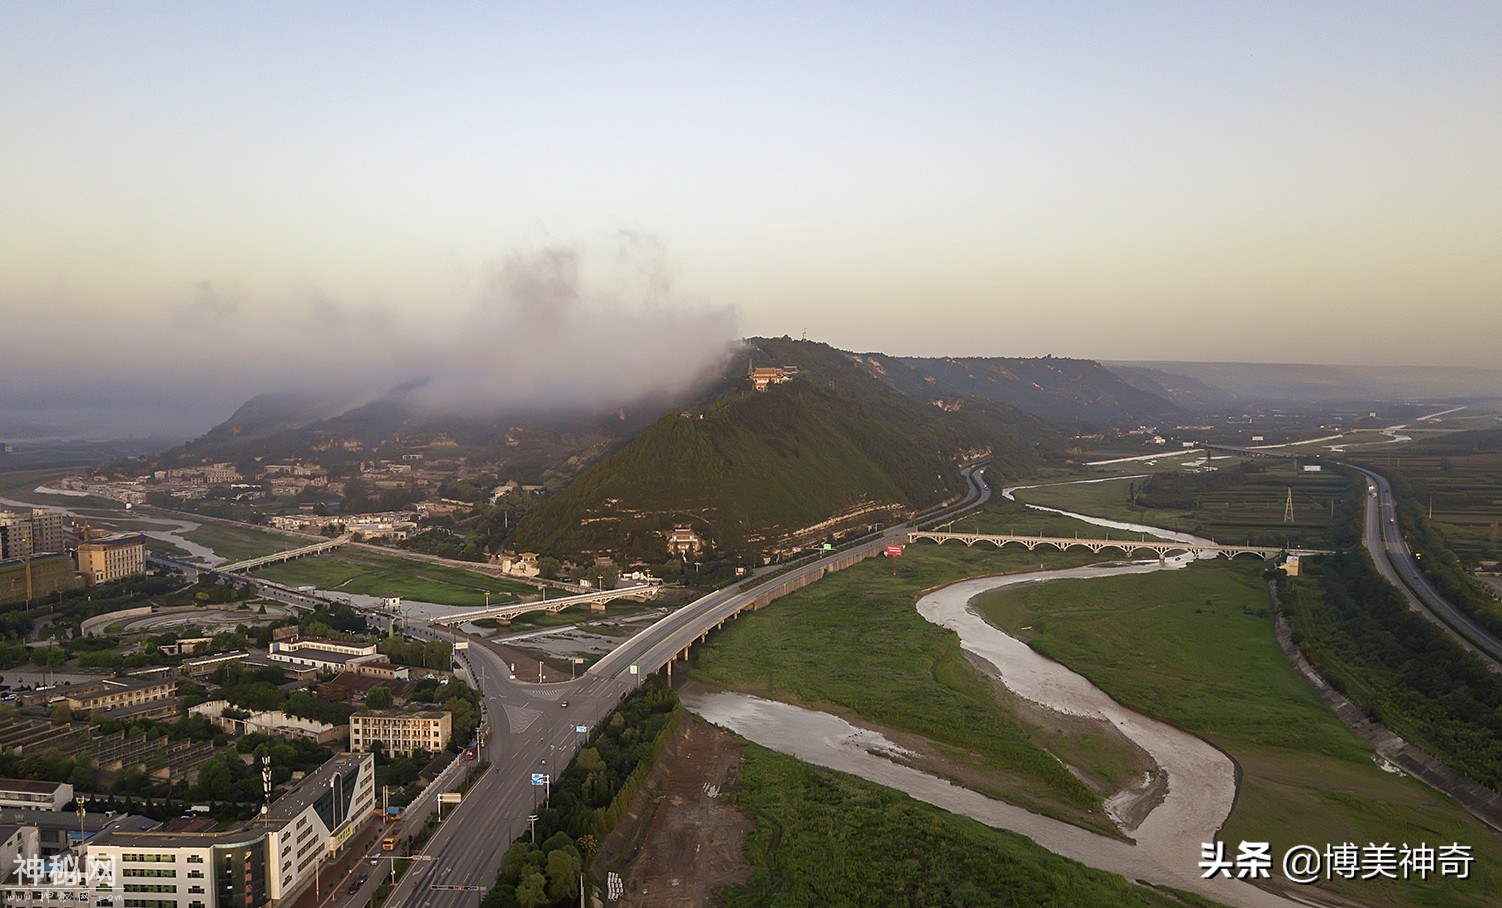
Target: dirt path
(681,841)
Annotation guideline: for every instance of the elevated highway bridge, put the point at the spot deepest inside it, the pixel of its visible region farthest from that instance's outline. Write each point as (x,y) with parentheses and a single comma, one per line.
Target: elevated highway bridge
(316,548)
(506,612)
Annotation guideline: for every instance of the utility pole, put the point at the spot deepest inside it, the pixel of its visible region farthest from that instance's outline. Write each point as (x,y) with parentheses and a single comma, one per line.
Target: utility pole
(1288,507)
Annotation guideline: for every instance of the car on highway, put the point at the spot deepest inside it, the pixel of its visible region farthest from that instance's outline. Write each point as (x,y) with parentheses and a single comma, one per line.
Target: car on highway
(355,886)
(563,704)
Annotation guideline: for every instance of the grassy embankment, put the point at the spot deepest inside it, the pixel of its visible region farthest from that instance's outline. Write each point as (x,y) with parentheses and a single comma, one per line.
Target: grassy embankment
(352,571)
(853,645)
(905,853)
(1196,648)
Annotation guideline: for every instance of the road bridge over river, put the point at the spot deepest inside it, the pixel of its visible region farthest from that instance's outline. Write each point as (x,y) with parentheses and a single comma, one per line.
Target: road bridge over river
(1162,547)
(506,612)
(316,548)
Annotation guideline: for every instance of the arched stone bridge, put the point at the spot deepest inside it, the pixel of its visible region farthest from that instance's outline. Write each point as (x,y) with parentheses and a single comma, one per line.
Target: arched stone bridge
(1162,547)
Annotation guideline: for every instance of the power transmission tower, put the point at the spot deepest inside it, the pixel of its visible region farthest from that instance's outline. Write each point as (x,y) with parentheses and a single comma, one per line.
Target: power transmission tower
(1288,507)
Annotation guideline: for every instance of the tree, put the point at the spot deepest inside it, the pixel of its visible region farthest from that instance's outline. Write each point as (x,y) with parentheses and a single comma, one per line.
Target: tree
(532,891)
(563,874)
(379,697)
(60,713)
(82,778)
(548,567)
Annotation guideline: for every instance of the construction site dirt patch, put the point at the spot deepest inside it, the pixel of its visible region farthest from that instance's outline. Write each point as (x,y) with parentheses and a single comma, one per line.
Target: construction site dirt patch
(682,839)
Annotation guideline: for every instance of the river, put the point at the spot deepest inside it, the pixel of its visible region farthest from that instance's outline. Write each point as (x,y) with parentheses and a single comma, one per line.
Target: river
(1201,781)
(172,532)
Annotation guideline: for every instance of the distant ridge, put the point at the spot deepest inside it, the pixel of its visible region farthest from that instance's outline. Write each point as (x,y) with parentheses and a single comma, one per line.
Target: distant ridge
(1290,384)
(1072,393)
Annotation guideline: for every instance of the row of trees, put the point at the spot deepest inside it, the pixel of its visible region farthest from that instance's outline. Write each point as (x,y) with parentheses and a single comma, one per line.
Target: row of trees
(587,800)
(1358,631)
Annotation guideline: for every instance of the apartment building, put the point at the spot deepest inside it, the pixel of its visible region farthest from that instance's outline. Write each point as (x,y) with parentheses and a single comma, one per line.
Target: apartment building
(113,693)
(400,733)
(34,532)
(112,558)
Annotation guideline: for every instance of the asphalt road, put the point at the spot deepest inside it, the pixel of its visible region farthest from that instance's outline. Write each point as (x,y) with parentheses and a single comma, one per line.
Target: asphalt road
(1382,535)
(527,730)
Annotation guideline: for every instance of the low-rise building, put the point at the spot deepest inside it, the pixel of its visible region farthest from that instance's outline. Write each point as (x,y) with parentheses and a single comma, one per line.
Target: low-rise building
(203,666)
(322,654)
(269,722)
(112,558)
(26,793)
(399,732)
(684,541)
(381,670)
(348,687)
(169,708)
(186,646)
(772,375)
(113,693)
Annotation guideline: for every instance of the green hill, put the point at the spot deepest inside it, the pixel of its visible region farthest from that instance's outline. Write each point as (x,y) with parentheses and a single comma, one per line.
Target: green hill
(761,471)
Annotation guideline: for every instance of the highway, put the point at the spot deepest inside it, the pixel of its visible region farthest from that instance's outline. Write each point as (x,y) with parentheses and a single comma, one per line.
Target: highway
(654,647)
(527,729)
(1382,535)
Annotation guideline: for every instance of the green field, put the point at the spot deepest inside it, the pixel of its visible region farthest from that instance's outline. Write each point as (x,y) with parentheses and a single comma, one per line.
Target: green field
(904,852)
(1230,505)
(1195,647)
(241,543)
(853,645)
(355,571)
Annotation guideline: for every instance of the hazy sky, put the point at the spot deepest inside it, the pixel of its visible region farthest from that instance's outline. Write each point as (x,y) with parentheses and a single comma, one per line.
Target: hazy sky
(1266,181)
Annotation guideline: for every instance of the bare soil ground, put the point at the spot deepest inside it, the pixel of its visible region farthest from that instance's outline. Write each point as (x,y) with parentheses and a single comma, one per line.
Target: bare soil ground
(682,839)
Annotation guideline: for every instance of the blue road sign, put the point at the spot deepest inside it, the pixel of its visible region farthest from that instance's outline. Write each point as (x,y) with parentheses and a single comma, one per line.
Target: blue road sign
(537,778)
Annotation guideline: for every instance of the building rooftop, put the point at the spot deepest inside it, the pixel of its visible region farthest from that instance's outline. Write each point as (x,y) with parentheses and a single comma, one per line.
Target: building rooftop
(327,642)
(318,654)
(93,820)
(29,785)
(139,709)
(403,714)
(124,539)
(294,802)
(217,657)
(282,811)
